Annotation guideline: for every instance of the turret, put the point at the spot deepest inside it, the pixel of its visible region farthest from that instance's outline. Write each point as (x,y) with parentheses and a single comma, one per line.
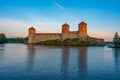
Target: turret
(82,30)
(31,31)
(31,35)
(65,30)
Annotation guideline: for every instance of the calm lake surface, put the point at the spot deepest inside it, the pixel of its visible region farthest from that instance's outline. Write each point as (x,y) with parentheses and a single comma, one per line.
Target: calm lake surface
(35,62)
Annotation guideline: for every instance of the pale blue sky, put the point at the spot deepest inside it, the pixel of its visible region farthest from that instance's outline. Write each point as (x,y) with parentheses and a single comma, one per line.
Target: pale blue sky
(102,16)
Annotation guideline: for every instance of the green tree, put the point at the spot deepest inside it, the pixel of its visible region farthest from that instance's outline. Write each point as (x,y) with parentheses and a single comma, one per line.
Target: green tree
(116,40)
(2,38)
(15,40)
(25,40)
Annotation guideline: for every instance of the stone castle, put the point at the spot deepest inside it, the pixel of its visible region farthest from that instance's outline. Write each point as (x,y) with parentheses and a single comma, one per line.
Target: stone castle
(81,34)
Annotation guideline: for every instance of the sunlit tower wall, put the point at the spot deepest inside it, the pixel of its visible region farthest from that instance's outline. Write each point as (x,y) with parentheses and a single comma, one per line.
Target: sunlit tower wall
(65,31)
(82,29)
(31,35)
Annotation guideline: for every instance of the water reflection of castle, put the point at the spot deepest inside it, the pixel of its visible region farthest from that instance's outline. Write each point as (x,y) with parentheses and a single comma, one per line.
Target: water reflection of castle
(65,58)
(82,61)
(31,56)
(65,61)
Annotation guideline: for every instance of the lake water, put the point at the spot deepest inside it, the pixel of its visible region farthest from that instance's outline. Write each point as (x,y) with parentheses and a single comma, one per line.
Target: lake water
(35,62)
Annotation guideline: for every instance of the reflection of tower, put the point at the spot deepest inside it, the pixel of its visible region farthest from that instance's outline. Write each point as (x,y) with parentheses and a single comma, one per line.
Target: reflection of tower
(82,62)
(65,61)
(117,57)
(31,56)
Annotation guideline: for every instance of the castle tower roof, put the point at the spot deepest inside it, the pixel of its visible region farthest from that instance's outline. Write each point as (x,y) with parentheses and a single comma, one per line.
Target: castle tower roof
(65,24)
(32,28)
(83,23)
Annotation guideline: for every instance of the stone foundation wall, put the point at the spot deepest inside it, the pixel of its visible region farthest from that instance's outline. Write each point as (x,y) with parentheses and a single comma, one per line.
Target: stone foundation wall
(73,34)
(31,39)
(70,35)
(94,40)
(46,36)
(52,36)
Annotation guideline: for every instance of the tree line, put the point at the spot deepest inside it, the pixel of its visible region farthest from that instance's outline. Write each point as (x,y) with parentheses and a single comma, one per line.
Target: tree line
(3,39)
(116,40)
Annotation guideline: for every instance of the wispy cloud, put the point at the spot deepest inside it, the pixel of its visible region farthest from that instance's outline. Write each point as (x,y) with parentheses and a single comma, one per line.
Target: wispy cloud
(16,28)
(13,28)
(58,5)
(43,24)
(5,22)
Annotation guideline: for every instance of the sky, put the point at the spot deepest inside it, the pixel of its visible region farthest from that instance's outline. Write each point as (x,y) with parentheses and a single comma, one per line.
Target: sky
(47,16)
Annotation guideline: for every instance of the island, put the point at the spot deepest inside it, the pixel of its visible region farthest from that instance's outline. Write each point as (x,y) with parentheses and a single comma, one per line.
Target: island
(66,38)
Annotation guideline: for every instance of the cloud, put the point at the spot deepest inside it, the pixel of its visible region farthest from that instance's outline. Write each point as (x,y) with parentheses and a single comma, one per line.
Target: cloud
(58,5)
(13,28)
(5,22)
(16,28)
(43,24)
(45,27)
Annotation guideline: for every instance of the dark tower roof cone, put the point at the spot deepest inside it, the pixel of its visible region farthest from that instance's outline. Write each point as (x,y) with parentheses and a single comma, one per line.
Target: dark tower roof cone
(83,22)
(65,24)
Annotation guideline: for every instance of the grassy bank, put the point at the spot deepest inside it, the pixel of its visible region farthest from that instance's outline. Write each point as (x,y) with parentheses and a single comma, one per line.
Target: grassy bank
(68,42)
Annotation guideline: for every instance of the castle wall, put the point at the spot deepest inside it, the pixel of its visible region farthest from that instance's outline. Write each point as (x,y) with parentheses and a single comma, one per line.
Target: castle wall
(52,36)
(70,35)
(46,36)
(94,40)
(31,39)
(73,34)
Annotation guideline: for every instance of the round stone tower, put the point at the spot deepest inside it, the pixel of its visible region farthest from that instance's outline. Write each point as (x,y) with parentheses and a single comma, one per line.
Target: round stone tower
(31,34)
(65,31)
(31,31)
(65,28)
(82,30)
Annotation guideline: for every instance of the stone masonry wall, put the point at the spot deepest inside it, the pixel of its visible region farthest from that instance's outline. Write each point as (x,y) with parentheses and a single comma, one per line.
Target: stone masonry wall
(94,40)
(73,34)
(70,35)
(52,36)
(46,36)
